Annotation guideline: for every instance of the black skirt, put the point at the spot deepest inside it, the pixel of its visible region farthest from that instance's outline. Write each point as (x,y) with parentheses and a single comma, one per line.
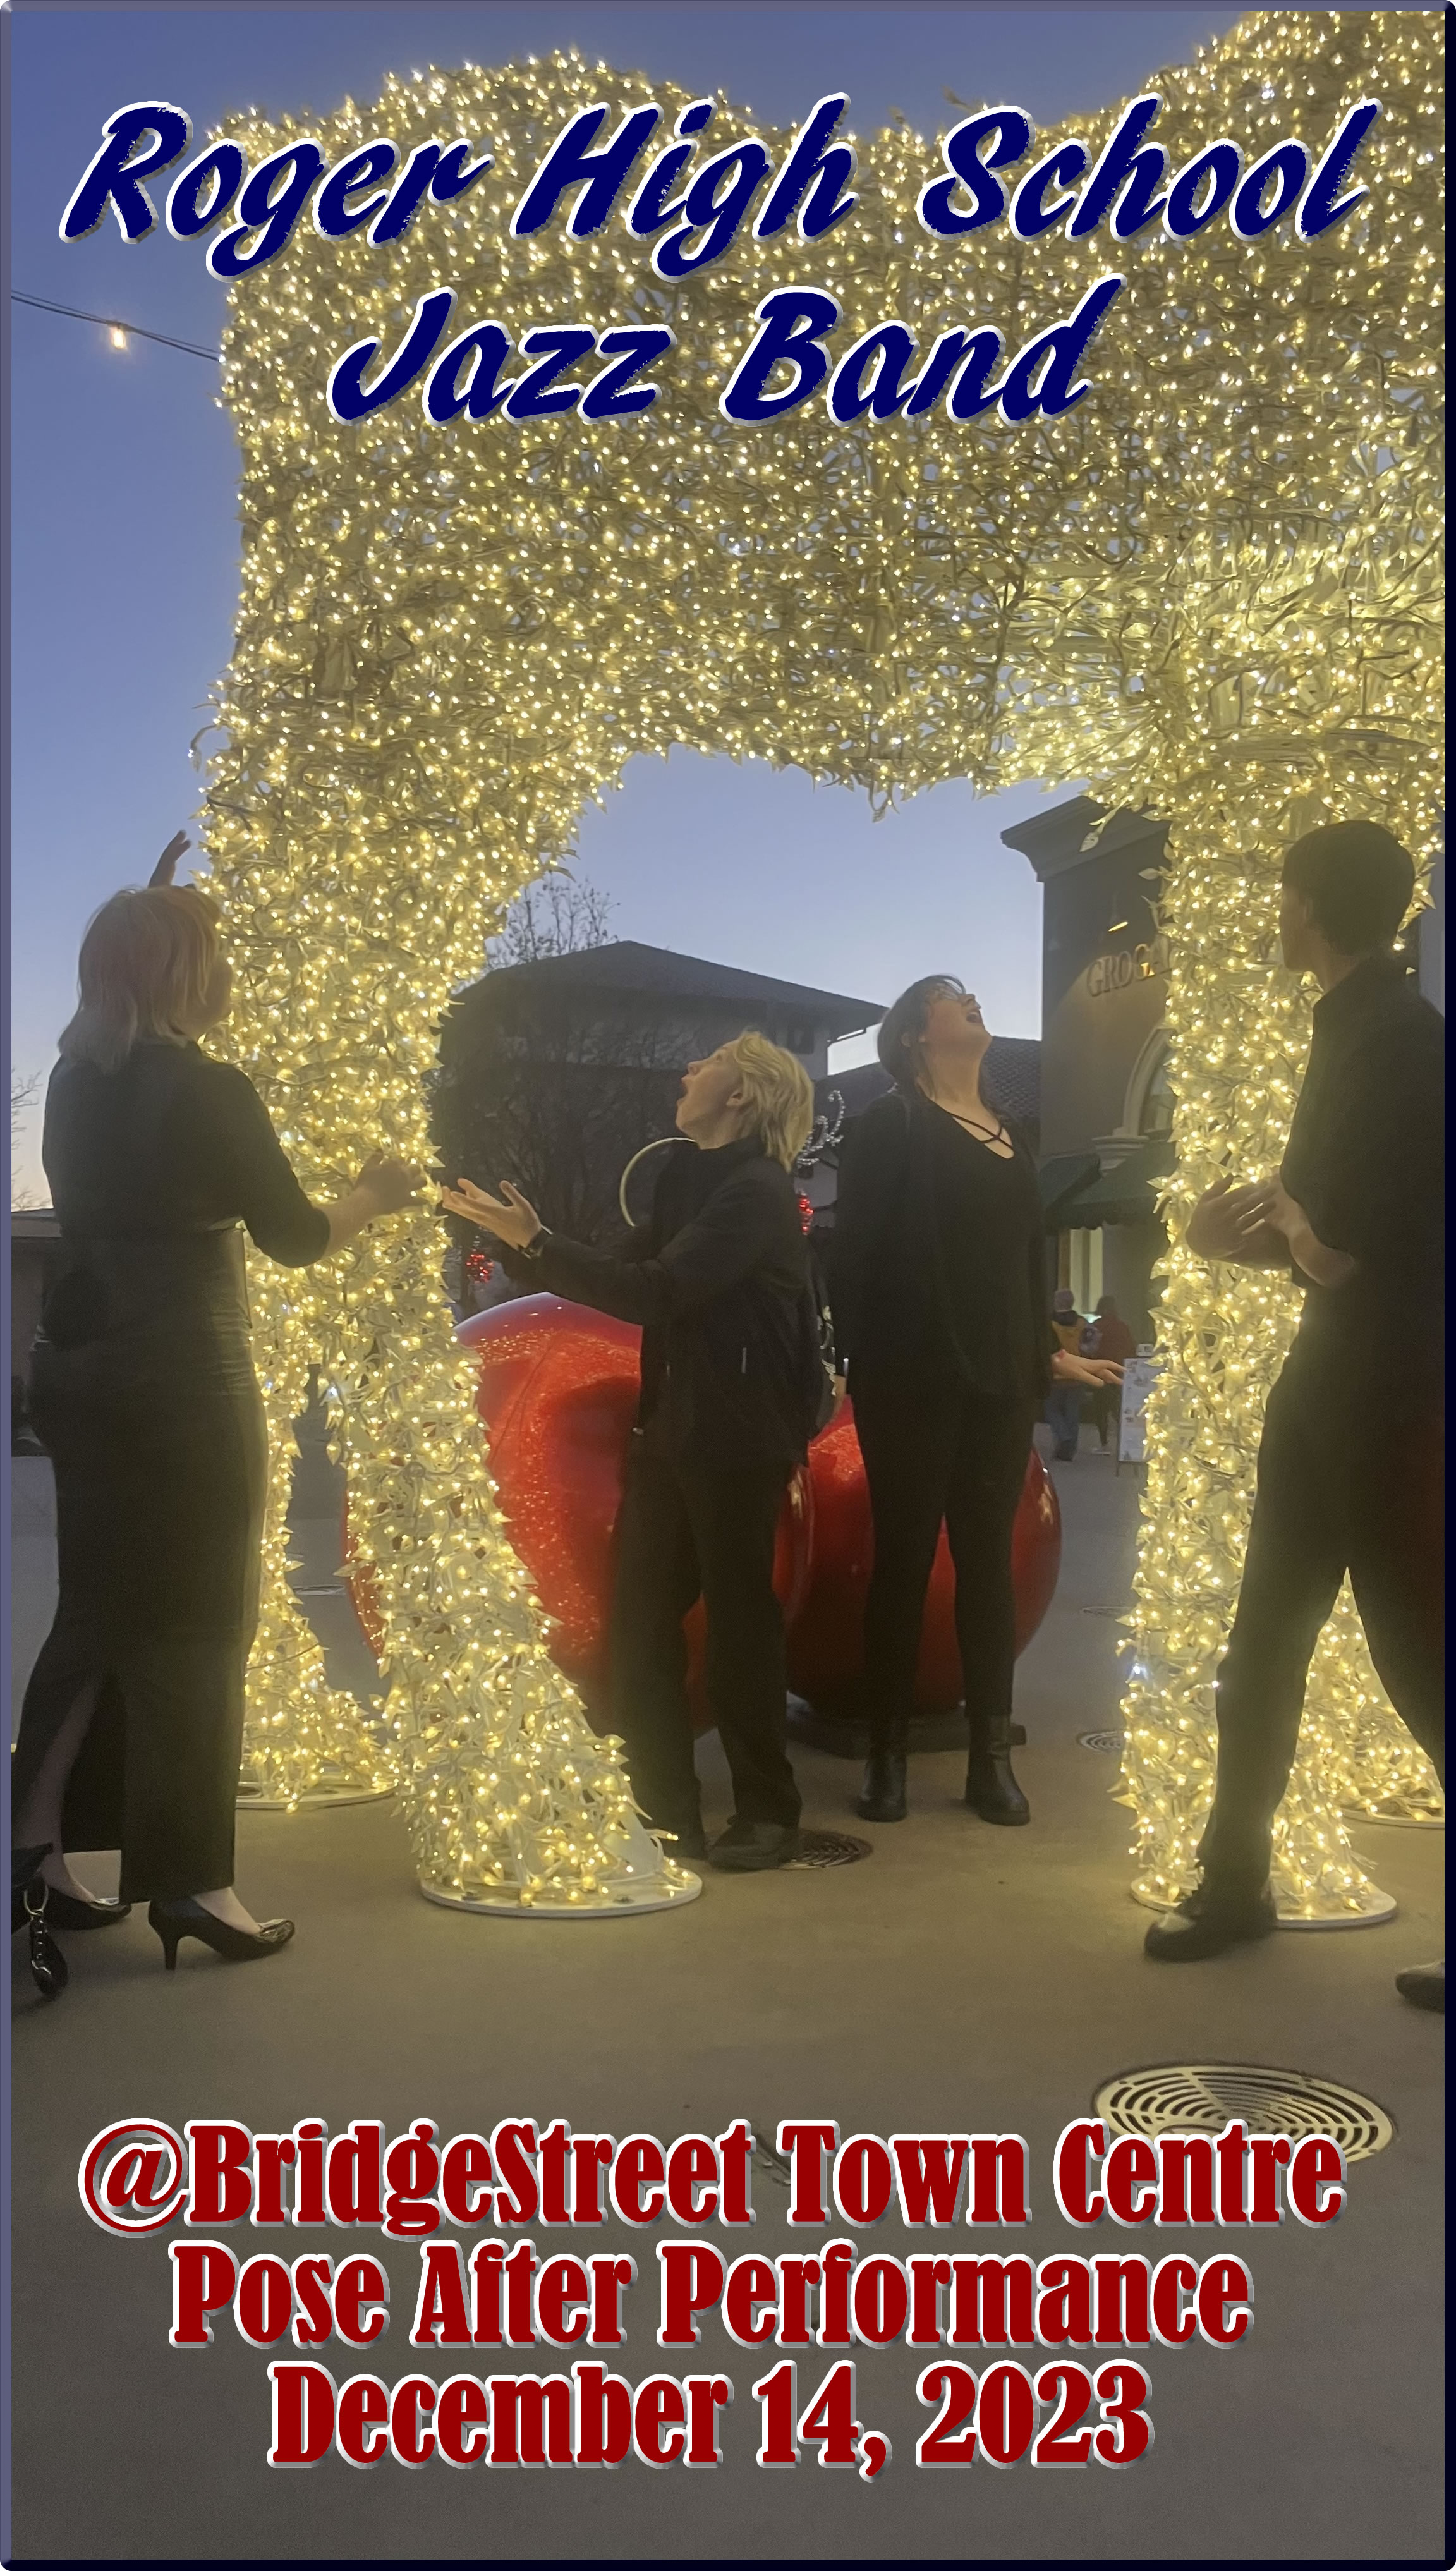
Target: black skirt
(144,1393)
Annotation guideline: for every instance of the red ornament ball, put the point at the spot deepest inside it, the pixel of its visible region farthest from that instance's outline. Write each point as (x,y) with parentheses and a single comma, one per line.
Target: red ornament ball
(558,1391)
(558,1397)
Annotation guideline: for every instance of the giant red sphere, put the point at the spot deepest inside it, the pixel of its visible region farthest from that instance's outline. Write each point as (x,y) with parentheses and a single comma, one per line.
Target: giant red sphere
(558,1388)
(558,1394)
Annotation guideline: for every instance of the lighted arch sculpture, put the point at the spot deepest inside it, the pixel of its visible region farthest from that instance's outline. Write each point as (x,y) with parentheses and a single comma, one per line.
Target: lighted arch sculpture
(1208,589)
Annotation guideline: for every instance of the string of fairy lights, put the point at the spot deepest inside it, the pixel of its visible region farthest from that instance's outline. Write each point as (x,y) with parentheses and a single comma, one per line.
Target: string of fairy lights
(1210,588)
(119,335)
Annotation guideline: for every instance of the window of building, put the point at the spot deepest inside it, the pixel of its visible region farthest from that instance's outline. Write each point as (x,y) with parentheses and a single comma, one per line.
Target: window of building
(1154,1116)
(1084,1266)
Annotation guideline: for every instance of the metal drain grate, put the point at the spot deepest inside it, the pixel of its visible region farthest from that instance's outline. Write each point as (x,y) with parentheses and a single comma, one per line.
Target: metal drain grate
(1109,1743)
(827,1847)
(1202,2097)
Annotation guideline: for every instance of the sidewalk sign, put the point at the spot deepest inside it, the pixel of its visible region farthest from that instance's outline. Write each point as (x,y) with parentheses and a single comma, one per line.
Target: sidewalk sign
(1139,1375)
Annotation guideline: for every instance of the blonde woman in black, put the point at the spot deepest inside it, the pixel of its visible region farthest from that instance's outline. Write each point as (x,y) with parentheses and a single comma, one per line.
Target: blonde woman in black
(942,1316)
(731,1385)
(144,1393)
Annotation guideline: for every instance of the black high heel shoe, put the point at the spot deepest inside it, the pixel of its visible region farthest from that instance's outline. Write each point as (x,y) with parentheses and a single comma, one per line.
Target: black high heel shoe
(64,1912)
(62,1909)
(174,1921)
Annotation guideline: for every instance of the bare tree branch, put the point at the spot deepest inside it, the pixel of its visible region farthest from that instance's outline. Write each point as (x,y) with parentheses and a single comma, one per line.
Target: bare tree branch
(23,1095)
(552,1085)
(563,914)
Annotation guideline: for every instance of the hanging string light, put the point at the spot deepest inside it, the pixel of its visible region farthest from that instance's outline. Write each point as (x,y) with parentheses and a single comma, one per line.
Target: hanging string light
(1209,589)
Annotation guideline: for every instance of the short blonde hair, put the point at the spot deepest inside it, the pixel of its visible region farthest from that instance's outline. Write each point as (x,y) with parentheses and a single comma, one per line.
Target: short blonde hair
(146,962)
(780,1095)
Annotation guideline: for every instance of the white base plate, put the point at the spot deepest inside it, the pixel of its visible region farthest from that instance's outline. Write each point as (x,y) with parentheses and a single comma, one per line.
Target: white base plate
(641,1885)
(1378,1907)
(628,1902)
(1355,1820)
(320,1799)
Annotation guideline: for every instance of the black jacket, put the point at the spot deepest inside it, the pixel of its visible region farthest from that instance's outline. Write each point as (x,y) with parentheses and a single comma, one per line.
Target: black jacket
(1365,1159)
(921,1299)
(719,1280)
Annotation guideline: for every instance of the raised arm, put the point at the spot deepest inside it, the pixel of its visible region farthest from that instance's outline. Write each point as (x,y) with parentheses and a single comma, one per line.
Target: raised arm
(384,1185)
(1382,1204)
(284,1222)
(737,1229)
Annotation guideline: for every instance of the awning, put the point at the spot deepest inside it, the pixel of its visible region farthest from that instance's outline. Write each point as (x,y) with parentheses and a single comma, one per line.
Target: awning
(1060,1177)
(1129,1192)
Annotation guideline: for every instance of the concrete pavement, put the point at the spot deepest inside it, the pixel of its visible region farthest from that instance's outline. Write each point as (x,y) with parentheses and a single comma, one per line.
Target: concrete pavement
(961,1979)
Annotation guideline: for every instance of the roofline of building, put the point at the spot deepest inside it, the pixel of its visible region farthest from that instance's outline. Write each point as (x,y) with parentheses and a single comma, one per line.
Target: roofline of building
(1042,839)
(742,984)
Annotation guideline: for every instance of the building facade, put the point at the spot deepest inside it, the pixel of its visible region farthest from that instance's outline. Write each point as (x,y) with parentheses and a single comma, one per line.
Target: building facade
(1106,1104)
(554,1073)
(1106,1098)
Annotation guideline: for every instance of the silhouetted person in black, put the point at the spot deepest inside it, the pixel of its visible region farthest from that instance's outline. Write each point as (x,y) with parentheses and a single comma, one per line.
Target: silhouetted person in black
(1350,1460)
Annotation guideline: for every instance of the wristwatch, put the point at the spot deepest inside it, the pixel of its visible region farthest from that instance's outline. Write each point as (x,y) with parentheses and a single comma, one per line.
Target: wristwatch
(533,1246)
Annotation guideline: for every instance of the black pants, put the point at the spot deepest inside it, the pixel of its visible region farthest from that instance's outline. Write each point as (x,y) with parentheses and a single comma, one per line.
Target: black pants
(1107,1404)
(683,1535)
(935,1455)
(1349,1480)
(160,1448)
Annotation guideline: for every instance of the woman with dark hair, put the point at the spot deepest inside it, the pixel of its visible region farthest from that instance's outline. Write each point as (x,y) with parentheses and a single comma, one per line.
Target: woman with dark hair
(144,1393)
(941,1314)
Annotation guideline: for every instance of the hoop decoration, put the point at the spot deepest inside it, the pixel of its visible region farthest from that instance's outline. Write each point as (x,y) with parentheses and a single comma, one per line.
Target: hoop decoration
(660,1145)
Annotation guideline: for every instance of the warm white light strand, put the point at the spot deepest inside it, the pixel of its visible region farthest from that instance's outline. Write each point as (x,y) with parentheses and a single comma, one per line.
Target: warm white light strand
(1209,587)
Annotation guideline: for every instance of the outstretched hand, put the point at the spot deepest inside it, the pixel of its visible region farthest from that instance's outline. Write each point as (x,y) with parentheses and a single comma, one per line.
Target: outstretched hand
(388,1182)
(1095,1371)
(169,862)
(513,1221)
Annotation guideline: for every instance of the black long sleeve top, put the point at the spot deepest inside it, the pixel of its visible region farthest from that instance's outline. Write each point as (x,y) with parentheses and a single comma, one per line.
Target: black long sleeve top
(1365,1159)
(170,1145)
(938,1267)
(716,1279)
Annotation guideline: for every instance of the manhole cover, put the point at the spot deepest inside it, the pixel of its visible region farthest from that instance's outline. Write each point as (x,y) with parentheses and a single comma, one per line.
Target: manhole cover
(1110,1744)
(828,1847)
(1202,2097)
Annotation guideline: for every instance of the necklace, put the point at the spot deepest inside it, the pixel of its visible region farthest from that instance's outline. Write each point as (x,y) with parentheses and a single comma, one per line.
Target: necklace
(983,1133)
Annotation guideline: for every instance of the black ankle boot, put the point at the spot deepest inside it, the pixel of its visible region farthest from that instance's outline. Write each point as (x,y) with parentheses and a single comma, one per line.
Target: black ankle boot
(882,1796)
(1222,1911)
(991,1788)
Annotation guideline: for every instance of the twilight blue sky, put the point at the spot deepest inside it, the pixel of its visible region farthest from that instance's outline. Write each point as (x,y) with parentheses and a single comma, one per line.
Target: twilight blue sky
(125,564)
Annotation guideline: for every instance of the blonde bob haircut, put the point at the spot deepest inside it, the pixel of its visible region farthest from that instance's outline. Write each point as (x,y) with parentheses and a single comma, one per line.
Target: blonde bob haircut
(148,962)
(779,1110)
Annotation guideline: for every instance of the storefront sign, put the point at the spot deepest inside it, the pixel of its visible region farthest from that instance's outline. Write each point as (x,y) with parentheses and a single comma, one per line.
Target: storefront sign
(1114,971)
